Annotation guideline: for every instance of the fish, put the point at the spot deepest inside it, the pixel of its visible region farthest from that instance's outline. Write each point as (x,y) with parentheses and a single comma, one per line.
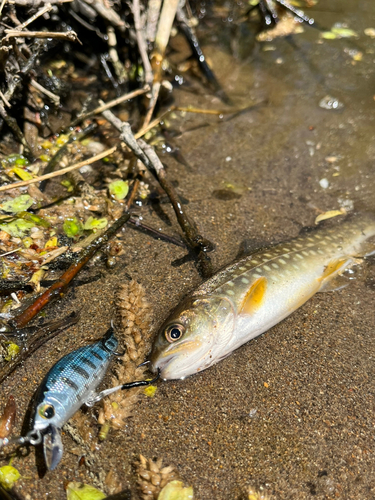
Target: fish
(250,296)
(69,384)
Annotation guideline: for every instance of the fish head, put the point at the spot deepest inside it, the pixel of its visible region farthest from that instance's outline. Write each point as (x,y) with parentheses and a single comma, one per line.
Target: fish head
(49,411)
(49,417)
(193,337)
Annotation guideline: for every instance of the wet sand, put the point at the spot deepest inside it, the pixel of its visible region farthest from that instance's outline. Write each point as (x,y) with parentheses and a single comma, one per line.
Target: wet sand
(292,411)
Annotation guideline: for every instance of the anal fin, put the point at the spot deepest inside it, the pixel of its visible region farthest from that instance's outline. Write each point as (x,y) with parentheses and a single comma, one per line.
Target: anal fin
(332,278)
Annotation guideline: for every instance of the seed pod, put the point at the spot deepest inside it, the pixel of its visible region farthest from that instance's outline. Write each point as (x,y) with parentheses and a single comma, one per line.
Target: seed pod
(8,418)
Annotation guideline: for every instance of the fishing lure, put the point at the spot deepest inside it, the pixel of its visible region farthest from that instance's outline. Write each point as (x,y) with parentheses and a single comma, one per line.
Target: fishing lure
(70,383)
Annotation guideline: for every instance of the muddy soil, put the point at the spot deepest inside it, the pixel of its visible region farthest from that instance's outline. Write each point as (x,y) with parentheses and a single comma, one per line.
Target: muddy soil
(291,412)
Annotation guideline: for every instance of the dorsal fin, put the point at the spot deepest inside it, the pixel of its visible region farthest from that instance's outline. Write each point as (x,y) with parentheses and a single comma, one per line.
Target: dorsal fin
(254,297)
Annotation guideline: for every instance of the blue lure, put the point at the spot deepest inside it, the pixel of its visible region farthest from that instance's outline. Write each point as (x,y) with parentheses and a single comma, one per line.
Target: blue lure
(70,383)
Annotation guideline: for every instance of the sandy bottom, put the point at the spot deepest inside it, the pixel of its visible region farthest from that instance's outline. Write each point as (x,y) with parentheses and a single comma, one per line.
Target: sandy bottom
(292,411)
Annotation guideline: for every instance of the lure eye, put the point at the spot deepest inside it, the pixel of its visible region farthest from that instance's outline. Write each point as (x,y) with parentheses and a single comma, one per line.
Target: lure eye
(47,411)
(174,332)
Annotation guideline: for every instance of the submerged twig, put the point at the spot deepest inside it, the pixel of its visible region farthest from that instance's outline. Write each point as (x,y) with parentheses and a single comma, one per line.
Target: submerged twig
(71,36)
(139,32)
(45,333)
(55,98)
(199,245)
(63,171)
(110,104)
(192,39)
(41,12)
(155,233)
(60,286)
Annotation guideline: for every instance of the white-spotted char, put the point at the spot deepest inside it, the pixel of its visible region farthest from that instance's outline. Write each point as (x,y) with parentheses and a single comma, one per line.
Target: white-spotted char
(250,296)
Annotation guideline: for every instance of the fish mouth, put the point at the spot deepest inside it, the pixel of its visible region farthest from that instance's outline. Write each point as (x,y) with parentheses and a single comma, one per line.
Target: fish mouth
(171,363)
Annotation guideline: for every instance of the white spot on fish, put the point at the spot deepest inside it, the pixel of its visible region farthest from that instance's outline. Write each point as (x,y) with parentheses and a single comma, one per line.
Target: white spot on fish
(312,252)
(305,253)
(320,252)
(242,268)
(267,268)
(299,256)
(230,292)
(268,255)
(298,245)
(286,249)
(275,266)
(318,237)
(282,261)
(256,262)
(230,283)
(310,239)
(245,280)
(295,267)
(256,276)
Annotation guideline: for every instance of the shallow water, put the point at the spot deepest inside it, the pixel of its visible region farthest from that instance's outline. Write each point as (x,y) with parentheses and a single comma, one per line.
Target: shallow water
(292,411)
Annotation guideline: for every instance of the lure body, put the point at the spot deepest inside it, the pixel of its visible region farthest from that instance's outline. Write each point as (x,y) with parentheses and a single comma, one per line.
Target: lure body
(69,384)
(250,296)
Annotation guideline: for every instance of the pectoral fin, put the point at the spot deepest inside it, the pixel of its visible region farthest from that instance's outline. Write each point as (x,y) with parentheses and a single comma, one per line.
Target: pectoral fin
(254,297)
(331,279)
(52,447)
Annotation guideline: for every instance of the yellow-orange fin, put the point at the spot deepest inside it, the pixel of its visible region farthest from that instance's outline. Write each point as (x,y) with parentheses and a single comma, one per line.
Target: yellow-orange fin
(331,279)
(254,297)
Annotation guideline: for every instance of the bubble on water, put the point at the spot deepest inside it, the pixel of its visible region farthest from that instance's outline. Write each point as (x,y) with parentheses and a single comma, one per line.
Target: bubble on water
(329,102)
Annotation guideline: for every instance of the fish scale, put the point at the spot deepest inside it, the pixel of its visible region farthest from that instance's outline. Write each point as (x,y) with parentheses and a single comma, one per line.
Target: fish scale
(250,296)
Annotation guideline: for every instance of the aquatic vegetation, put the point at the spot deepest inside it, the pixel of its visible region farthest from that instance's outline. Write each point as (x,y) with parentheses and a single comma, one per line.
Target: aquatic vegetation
(153,477)
(18,204)
(175,490)
(119,189)
(81,491)
(135,314)
(9,476)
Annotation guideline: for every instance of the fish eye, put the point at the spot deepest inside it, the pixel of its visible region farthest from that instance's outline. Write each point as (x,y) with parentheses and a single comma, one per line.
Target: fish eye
(174,332)
(47,411)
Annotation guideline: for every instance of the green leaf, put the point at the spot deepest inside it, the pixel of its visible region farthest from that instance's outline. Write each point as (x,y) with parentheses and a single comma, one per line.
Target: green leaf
(80,491)
(22,174)
(8,476)
(92,223)
(328,35)
(343,32)
(17,228)
(72,227)
(175,490)
(119,189)
(19,204)
(38,221)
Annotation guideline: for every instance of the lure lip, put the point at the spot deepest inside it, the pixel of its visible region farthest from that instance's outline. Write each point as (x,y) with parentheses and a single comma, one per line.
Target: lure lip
(52,447)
